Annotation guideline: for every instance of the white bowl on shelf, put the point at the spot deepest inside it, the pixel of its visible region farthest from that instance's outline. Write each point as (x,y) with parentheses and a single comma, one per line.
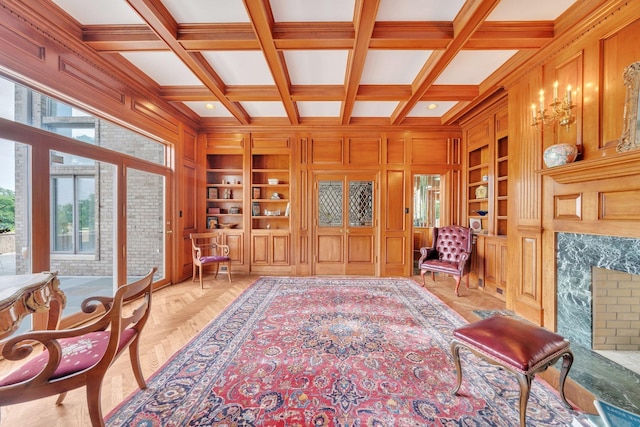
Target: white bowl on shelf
(272,181)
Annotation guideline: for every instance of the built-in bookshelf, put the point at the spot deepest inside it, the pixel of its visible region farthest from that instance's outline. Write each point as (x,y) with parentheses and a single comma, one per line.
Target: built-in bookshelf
(270,191)
(225,191)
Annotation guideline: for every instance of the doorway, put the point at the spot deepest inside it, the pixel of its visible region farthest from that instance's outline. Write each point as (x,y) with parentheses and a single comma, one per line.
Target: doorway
(427,191)
(345,223)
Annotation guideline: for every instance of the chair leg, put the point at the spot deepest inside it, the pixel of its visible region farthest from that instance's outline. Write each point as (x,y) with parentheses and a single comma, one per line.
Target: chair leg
(457,285)
(193,274)
(422,276)
(229,270)
(215,276)
(61,398)
(134,355)
(433,276)
(94,389)
(200,274)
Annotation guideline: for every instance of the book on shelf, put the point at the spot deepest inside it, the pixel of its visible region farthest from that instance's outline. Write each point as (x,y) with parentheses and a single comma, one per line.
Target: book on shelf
(213,193)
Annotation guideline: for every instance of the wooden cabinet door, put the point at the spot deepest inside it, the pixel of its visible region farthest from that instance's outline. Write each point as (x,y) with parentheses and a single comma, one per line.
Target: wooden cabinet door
(345,227)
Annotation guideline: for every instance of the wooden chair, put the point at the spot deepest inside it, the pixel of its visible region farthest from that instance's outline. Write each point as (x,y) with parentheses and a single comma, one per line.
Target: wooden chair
(449,253)
(78,357)
(205,250)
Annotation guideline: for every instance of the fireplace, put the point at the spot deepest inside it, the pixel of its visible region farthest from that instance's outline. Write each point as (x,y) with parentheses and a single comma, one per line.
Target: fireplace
(577,255)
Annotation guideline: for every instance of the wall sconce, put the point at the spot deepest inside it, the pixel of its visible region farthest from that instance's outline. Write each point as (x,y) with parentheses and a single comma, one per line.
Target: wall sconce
(560,110)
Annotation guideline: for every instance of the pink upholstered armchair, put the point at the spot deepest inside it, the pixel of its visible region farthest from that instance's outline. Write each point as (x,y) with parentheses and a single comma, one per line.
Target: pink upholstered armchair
(449,253)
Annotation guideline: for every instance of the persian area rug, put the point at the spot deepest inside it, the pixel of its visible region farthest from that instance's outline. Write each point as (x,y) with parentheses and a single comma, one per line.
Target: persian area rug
(332,352)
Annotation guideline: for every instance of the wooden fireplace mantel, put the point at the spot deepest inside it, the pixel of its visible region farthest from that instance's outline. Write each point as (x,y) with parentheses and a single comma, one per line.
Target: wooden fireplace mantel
(612,166)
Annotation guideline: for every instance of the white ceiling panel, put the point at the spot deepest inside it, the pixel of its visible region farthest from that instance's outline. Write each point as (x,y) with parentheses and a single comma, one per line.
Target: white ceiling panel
(539,10)
(418,10)
(319,108)
(264,108)
(165,68)
(203,109)
(312,10)
(471,67)
(319,57)
(422,109)
(203,11)
(381,66)
(374,108)
(246,67)
(101,12)
(320,67)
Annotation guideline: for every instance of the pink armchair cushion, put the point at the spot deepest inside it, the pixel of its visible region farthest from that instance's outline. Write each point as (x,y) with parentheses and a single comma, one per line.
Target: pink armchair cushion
(214,258)
(452,242)
(78,354)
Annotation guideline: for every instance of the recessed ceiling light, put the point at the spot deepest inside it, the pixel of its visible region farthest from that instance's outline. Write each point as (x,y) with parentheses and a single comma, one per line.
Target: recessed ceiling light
(432,106)
(209,106)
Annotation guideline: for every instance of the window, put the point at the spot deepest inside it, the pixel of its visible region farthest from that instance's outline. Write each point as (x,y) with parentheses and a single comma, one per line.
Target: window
(74,214)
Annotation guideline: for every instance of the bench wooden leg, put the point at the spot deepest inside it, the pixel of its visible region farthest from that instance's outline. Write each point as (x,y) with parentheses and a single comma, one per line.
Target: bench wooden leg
(455,351)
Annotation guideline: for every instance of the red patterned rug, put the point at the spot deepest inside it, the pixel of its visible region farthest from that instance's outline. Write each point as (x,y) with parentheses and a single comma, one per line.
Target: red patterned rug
(332,352)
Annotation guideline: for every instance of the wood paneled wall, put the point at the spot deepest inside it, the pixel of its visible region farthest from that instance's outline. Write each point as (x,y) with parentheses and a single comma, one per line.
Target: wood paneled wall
(590,196)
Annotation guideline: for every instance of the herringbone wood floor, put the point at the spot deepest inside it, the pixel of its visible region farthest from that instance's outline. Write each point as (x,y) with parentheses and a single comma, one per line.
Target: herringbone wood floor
(179,312)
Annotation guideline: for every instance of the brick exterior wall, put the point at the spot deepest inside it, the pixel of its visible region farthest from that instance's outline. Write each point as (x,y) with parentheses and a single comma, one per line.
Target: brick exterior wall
(145,210)
(616,310)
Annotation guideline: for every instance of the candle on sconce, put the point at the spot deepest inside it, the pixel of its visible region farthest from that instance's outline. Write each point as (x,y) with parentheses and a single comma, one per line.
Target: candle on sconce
(541,100)
(569,94)
(533,112)
(555,92)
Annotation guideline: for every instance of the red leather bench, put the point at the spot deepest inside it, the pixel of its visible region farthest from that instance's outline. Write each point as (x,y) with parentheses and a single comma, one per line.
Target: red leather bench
(520,347)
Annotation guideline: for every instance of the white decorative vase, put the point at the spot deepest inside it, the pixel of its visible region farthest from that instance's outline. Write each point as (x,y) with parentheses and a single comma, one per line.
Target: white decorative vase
(560,154)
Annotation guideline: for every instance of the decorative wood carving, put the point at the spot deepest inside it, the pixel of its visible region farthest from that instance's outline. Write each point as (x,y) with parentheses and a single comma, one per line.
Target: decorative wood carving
(630,139)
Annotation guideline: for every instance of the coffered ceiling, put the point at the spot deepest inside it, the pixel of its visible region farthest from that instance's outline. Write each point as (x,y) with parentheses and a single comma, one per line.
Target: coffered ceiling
(319,61)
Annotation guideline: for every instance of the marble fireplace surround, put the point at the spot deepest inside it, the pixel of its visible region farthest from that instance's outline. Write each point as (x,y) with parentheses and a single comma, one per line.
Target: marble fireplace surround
(576,255)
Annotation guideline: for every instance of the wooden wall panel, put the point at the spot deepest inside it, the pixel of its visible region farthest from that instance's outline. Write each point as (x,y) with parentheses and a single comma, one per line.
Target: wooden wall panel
(568,73)
(266,143)
(189,146)
(327,151)
(280,249)
(87,77)
(260,249)
(225,141)
(364,151)
(396,148)
(568,206)
(395,253)
(395,201)
(618,51)
(619,205)
(529,291)
(429,151)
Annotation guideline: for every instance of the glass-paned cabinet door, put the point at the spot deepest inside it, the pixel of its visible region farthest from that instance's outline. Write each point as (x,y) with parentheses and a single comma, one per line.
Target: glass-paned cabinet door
(330,209)
(360,203)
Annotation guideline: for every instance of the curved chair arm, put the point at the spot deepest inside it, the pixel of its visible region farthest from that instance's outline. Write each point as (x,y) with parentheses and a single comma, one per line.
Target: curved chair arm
(464,259)
(225,249)
(428,252)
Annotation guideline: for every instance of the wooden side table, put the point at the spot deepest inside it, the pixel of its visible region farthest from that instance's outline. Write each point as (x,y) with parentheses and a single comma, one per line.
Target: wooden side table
(24,294)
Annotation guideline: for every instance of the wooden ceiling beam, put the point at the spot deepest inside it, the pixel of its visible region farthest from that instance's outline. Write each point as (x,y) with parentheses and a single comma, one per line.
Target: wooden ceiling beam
(512,35)
(364,21)
(471,16)
(262,20)
(321,93)
(319,35)
(160,20)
